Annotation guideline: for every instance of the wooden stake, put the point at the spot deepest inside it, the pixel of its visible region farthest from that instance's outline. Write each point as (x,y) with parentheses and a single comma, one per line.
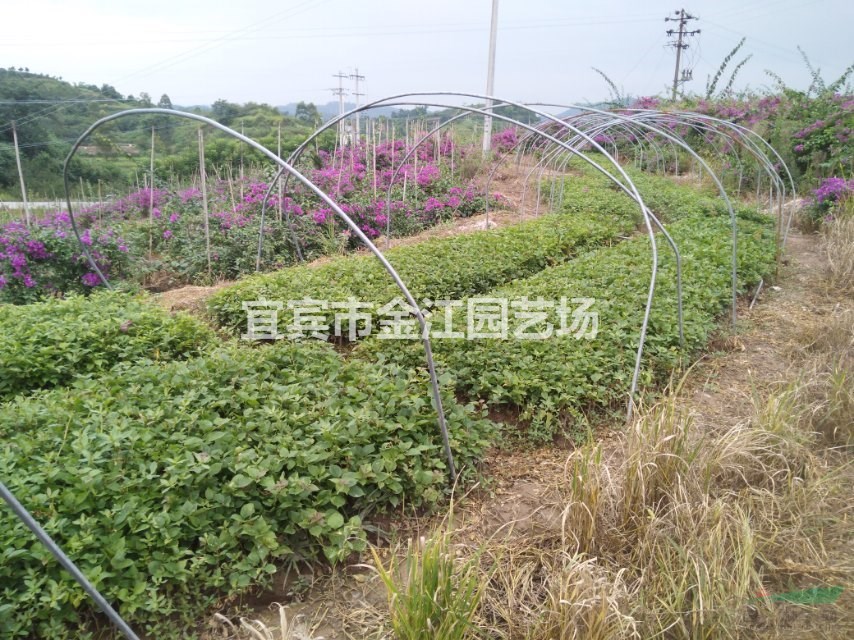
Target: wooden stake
(151,200)
(374,157)
(21,175)
(241,162)
(279,153)
(202,173)
(231,186)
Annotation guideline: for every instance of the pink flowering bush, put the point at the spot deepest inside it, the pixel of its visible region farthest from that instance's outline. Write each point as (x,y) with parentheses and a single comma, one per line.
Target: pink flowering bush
(159,238)
(825,201)
(46,259)
(505,140)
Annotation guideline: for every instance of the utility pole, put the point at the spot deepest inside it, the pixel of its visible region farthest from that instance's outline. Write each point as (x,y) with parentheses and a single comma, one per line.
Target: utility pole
(21,175)
(683,17)
(490,79)
(355,77)
(340,92)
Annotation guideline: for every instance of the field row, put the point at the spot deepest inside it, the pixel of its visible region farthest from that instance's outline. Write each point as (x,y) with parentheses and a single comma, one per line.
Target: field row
(197,468)
(555,382)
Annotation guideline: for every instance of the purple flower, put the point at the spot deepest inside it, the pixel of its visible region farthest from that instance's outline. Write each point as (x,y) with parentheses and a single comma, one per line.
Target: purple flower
(155,212)
(433,204)
(174,217)
(833,190)
(91,279)
(167,234)
(37,250)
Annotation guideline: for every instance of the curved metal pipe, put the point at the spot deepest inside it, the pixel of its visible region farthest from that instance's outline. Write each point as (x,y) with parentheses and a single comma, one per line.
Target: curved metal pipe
(434,382)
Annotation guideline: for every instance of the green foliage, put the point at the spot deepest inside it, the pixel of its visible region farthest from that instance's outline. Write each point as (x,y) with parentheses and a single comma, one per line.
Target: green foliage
(432,595)
(617,97)
(712,84)
(173,485)
(45,259)
(119,156)
(50,343)
(555,382)
(438,269)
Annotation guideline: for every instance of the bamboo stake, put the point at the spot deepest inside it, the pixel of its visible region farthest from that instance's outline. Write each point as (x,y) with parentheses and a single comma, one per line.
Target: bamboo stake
(231,187)
(374,157)
(151,201)
(202,173)
(242,132)
(279,153)
(21,175)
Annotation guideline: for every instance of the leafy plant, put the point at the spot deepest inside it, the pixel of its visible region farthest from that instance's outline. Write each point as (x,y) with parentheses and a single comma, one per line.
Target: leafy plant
(432,594)
(712,84)
(45,259)
(555,382)
(51,343)
(173,485)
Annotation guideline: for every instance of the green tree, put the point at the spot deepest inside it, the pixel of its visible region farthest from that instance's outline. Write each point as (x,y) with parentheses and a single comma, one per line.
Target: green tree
(224,111)
(164,102)
(307,112)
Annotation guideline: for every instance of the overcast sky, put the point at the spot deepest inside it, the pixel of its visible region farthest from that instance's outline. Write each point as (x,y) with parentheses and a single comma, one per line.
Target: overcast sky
(288,50)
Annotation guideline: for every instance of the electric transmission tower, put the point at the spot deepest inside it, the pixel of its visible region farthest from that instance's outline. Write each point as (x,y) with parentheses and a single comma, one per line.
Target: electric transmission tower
(355,77)
(340,92)
(682,17)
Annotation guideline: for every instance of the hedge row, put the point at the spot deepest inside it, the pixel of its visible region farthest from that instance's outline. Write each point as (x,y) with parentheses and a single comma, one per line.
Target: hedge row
(173,485)
(47,344)
(469,264)
(438,269)
(554,382)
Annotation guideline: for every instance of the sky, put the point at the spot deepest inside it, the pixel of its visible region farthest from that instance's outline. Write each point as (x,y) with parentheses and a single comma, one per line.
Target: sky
(288,50)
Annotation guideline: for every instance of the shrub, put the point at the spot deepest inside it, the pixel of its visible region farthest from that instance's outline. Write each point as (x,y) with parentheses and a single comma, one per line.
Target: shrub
(172,485)
(49,343)
(437,269)
(45,259)
(555,382)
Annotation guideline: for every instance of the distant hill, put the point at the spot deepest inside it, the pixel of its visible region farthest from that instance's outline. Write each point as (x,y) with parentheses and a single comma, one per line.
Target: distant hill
(330,109)
(51,113)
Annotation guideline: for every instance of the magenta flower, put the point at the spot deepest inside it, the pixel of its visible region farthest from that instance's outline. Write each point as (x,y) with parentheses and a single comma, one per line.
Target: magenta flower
(167,233)
(91,279)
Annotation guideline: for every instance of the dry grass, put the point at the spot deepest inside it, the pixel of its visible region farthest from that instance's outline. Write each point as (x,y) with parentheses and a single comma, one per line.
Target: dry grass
(677,532)
(667,530)
(838,248)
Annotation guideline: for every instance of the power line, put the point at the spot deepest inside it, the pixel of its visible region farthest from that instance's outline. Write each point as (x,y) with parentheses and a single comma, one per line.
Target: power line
(81,100)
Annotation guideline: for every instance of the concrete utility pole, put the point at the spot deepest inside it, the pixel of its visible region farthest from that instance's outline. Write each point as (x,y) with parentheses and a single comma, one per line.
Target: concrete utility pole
(355,77)
(21,175)
(340,92)
(683,18)
(490,78)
